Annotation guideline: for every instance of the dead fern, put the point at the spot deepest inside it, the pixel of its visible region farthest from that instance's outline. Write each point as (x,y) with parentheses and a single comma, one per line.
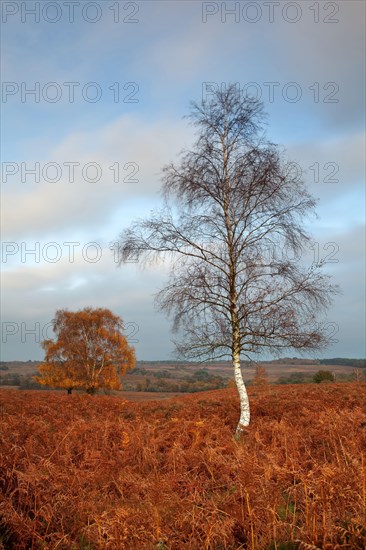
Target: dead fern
(300,545)
(98,472)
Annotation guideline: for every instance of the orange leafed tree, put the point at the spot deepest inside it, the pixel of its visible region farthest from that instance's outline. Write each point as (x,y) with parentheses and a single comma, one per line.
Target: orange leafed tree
(90,351)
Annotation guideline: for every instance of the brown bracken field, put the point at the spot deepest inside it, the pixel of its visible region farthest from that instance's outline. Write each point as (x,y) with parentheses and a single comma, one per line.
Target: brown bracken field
(82,472)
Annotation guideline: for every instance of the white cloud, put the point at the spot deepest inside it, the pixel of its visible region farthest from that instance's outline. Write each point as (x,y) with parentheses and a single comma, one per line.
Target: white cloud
(140,149)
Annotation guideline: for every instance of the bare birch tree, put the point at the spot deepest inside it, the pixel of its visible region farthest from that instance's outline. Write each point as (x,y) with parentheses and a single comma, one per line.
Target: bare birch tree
(232,221)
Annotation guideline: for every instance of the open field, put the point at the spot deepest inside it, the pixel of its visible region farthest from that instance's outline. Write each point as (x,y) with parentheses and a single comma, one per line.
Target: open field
(275,369)
(88,472)
(161,377)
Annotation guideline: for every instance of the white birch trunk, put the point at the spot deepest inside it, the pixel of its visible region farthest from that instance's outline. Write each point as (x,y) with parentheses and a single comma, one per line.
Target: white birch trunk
(244,401)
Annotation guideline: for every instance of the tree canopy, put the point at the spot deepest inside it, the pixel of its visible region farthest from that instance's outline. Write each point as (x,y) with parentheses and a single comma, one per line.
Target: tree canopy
(89,351)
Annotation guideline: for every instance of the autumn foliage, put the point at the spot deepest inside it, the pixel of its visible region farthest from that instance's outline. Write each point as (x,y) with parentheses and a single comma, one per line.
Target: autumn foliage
(91,473)
(89,352)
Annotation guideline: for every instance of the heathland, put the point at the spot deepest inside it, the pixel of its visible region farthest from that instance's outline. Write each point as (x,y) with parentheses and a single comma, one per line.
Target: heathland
(99,472)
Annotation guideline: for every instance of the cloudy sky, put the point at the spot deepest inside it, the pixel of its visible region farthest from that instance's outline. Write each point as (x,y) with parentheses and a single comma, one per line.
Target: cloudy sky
(93,96)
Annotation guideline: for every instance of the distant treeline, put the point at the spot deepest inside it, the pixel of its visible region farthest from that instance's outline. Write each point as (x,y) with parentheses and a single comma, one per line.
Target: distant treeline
(165,381)
(23,381)
(356,363)
(305,378)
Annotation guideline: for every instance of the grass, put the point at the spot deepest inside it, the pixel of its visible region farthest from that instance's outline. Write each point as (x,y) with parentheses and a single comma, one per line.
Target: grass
(86,472)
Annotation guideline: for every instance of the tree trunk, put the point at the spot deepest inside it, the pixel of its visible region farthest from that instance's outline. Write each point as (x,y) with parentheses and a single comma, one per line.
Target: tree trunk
(235,352)
(244,401)
(69,391)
